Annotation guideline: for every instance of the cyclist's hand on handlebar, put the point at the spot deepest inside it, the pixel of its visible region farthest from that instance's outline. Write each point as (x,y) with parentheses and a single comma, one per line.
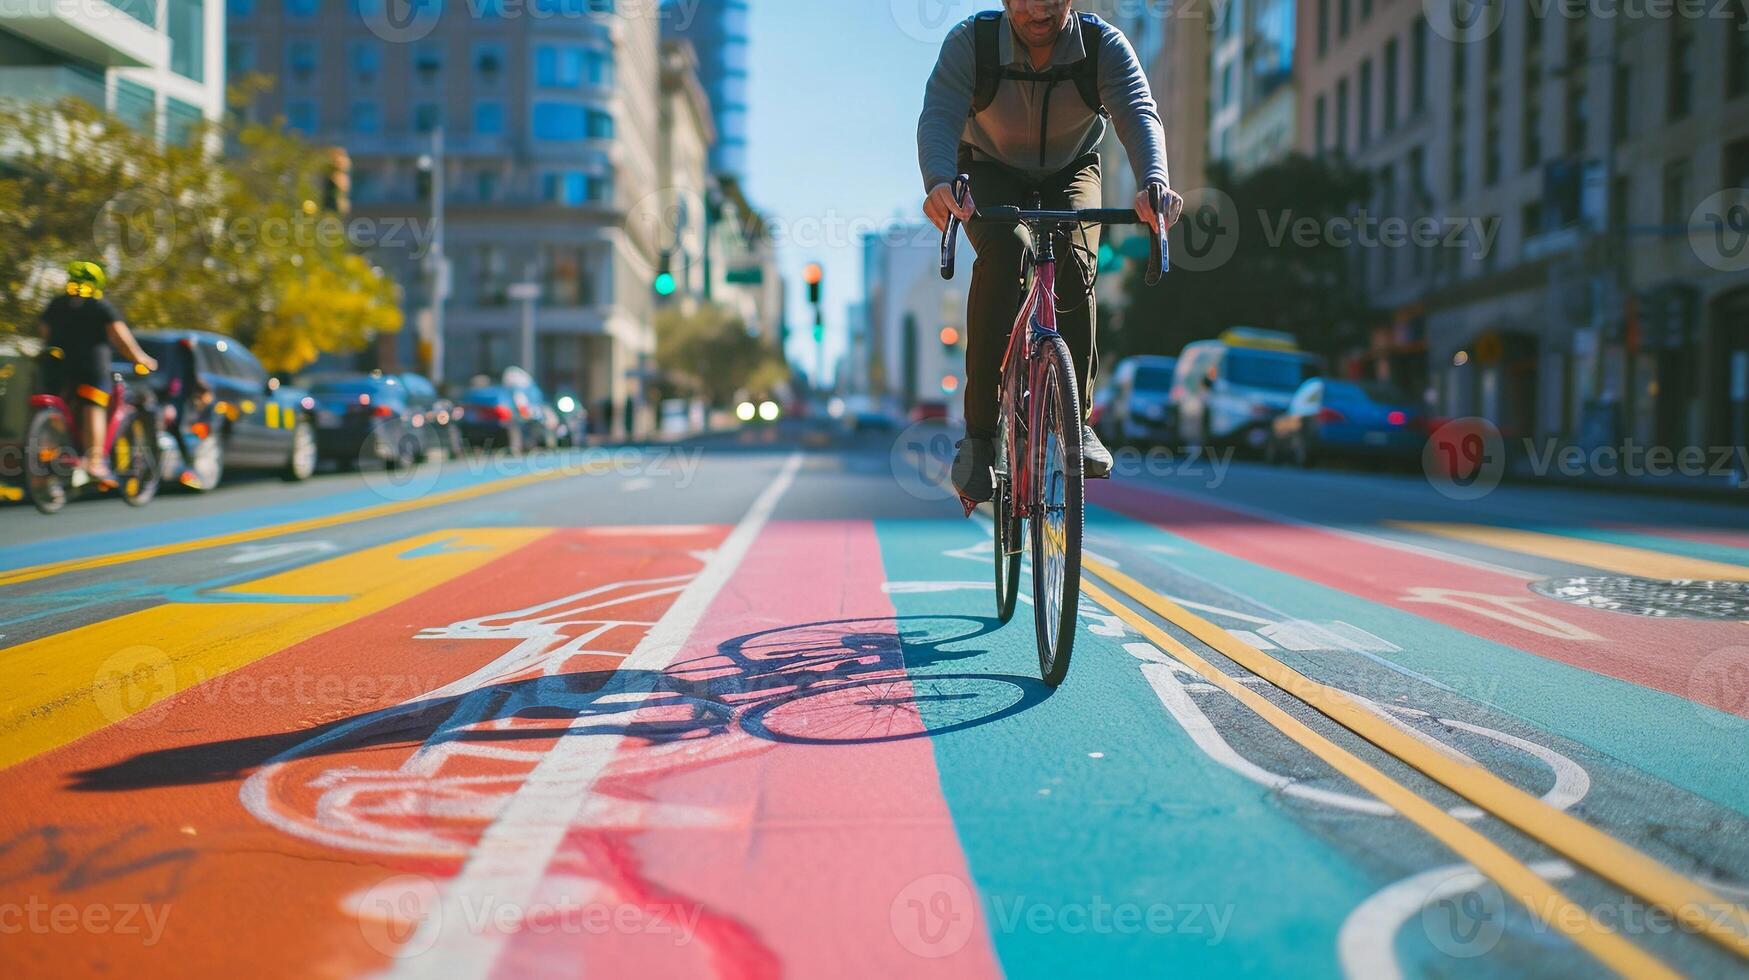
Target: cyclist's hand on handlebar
(148,362)
(940,204)
(1145,208)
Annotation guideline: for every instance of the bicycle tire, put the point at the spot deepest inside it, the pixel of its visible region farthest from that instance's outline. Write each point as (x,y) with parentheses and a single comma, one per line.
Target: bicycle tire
(47,478)
(134,460)
(1056,545)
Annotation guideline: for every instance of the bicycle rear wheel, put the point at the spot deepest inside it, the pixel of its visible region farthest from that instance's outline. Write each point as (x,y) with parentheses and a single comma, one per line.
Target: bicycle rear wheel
(134,460)
(1057,522)
(49,461)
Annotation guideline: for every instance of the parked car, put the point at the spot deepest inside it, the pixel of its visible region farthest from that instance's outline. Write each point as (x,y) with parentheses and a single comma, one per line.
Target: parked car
(369,418)
(1227,391)
(1138,408)
(433,416)
(1328,417)
(227,410)
(497,417)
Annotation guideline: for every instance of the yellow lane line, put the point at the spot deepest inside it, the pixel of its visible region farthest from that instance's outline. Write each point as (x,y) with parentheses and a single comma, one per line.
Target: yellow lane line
(1693,904)
(1579,551)
(63,687)
(34,572)
(1544,901)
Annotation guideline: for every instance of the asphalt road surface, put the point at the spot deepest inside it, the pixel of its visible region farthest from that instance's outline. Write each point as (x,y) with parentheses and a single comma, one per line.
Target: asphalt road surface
(740,707)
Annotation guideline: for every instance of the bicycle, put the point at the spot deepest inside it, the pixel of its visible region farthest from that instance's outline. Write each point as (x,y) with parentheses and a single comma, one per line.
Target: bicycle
(1038,469)
(54,452)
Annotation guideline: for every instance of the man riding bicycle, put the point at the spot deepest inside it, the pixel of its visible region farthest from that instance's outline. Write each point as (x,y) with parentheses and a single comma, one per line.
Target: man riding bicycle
(80,326)
(1018,101)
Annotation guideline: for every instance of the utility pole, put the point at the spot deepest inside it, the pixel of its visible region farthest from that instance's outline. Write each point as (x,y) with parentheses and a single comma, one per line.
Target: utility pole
(527,293)
(437,266)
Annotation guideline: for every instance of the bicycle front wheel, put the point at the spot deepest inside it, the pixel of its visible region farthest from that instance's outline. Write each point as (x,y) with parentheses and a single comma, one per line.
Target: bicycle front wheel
(134,460)
(1060,507)
(1008,537)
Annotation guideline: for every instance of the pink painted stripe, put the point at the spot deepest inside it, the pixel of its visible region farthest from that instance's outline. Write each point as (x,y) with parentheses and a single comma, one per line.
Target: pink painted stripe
(1668,655)
(793,857)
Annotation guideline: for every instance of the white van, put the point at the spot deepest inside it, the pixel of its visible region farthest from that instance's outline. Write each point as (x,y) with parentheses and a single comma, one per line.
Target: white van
(1228,390)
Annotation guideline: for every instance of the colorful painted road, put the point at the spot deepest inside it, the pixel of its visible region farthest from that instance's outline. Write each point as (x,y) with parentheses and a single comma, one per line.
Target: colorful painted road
(740,708)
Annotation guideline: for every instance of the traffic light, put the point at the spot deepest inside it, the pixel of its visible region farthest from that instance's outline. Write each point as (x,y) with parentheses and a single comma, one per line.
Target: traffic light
(813,275)
(665,284)
(819,332)
(950,337)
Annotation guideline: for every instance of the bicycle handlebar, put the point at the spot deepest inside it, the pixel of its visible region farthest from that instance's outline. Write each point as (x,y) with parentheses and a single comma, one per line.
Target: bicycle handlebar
(1159,255)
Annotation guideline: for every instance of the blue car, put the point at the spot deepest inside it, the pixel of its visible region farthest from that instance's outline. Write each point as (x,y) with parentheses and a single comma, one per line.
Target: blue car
(1328,417)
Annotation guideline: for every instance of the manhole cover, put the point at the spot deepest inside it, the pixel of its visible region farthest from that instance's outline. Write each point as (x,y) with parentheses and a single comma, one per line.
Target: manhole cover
(1682,599)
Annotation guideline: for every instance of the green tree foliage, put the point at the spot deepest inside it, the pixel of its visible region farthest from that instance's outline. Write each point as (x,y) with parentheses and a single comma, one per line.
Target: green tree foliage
(191,239)
(1305,284)
(708,350)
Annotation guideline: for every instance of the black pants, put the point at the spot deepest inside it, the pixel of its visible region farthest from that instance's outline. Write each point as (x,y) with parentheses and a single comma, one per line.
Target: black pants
(997,287)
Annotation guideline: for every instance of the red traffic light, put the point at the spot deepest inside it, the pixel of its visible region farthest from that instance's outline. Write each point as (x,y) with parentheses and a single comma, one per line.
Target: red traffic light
(949,337)
(812,273)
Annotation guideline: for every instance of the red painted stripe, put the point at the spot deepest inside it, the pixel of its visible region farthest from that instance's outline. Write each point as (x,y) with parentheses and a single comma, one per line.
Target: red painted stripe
(148,811)
(1669,655)
(794,856)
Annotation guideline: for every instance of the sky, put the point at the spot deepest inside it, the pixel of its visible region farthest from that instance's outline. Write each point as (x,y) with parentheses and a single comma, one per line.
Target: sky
(834,91)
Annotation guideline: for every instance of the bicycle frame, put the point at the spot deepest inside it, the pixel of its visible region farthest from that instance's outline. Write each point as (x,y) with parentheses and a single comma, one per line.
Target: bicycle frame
(118,409)
(1037,317)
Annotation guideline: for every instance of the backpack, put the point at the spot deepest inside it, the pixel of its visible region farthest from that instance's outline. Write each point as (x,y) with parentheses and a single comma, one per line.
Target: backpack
(990,73)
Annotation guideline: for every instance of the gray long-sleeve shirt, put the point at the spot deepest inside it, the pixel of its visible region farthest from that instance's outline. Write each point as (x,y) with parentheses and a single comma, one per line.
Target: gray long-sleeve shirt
(1008,131)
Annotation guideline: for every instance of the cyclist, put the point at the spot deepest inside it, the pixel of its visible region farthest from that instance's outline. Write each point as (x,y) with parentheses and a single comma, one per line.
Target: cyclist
(82,326)
(1018,101)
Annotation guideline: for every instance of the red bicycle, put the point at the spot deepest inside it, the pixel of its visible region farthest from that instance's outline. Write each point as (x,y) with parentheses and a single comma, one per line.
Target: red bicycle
(1038,467)
(54,452)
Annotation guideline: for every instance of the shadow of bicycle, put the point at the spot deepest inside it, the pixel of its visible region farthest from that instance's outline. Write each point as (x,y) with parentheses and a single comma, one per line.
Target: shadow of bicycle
(847,681)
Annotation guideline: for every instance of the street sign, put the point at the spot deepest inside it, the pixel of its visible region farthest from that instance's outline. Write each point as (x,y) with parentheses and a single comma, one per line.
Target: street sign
(523,292)
(751,276)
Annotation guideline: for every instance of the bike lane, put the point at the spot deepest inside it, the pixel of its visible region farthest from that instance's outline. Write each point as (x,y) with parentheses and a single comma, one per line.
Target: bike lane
(1635,683)
(782,792)
(250,821)
(1101,840)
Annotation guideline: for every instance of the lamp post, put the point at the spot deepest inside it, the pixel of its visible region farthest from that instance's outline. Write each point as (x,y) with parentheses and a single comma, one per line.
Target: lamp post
(436,265)
(527,293)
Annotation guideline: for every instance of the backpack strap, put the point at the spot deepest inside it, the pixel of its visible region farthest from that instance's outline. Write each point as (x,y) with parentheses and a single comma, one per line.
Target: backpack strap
(989,72)
(987,42)
(1086,71)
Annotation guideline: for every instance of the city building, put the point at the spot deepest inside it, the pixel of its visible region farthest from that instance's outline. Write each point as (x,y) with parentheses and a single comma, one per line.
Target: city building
(1252,106)
(718,30)
(1568,164)
(158,63)
(540,124)
(676,217)
(911,341)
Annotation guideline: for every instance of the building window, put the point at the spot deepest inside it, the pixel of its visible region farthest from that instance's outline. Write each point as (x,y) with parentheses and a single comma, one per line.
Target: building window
(1342,117)
(1736,169)
(1676,205)
(300,61)
(1578,93)
(491,276)
(1390,82)
(569,275)
(486,185)
(239,9)
(239,57)
(366,118)
(572,67)
(488,118)
(301,9)
(488,62)
(367,61)
(1618,202)
(1530,220)
(427,116)
(1365,135)
(428,61)
(182,121)
(1681,66)
(1621,104)
(563,121)
(1344,9)
(1323,27)
(1737,68)
(574,188)
(1320,114)
(300,116)
(187,29)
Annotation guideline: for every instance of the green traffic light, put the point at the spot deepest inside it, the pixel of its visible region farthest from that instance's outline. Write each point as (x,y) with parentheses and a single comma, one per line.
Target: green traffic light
(665,284)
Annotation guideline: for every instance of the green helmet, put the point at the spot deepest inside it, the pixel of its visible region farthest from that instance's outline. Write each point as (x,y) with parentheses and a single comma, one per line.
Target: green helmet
(86,278)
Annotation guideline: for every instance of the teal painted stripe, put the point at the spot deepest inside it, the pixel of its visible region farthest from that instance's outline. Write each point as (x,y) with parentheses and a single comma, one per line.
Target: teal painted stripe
(1154,823)
(1689,745)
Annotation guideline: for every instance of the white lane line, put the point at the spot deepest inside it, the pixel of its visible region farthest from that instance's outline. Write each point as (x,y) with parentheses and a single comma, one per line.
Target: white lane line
(506,867)
(1366,943)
